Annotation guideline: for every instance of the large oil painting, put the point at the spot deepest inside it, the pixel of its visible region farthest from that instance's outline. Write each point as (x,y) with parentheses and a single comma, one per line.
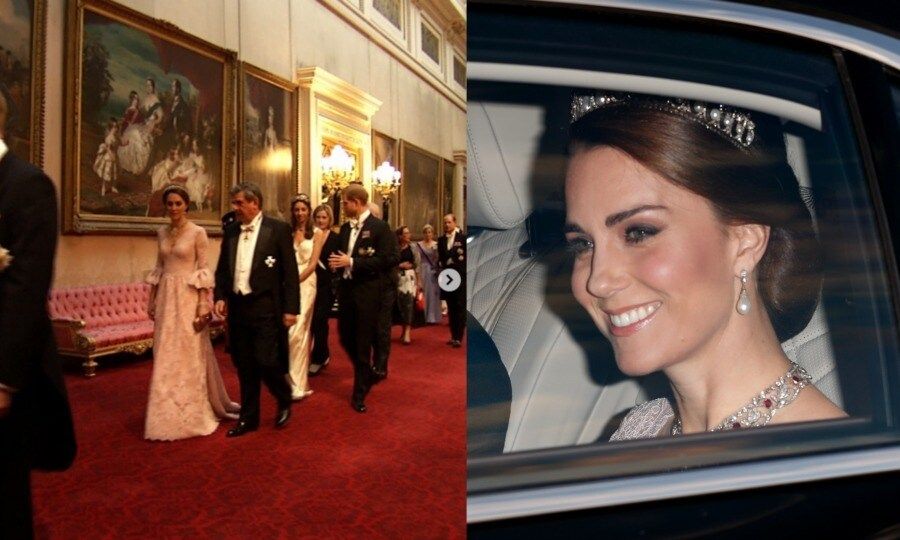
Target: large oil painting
(420,190)
(148,105)
(22,65)
(268,122)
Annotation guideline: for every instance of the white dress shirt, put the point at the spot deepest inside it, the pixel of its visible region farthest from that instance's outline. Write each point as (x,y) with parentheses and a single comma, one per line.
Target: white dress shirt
(243,260)
(354,233)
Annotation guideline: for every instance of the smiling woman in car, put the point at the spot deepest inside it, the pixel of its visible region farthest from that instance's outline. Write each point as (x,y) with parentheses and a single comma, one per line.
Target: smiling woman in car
(695,255)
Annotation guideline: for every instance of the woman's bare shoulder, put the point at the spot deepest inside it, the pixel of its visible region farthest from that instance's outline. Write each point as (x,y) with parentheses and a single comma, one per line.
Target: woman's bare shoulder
(810,405)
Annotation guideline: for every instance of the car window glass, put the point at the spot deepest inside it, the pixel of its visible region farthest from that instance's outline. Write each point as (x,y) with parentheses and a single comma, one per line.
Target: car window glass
(566,389)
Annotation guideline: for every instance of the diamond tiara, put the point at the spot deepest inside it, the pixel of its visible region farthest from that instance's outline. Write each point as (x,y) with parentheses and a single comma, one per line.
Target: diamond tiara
(735,125)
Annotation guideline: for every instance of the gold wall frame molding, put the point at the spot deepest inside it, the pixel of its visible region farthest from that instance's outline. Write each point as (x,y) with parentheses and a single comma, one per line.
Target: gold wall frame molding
(333,111)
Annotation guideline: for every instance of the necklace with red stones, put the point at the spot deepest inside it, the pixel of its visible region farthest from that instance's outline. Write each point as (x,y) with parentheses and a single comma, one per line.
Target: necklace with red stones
(760,410)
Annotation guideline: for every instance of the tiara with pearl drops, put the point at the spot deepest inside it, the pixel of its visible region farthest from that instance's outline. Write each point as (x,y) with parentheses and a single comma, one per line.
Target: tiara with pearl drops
(735,125)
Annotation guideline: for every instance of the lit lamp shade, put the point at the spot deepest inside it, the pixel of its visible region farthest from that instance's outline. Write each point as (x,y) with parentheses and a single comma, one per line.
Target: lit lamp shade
(386,179)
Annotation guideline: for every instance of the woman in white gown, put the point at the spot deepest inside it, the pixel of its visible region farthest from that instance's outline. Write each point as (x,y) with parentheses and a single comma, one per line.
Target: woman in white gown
(307,245)
(137,139)
(198,182)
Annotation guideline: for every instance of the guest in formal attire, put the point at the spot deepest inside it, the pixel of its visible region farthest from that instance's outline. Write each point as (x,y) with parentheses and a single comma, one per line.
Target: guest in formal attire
(326,281)
(35,420)
(428,274)
(695,255)
(308,242)
(187,395)
(258,289)
(228,219)
(406,286)
(385,315)
(452,254)
(368,252)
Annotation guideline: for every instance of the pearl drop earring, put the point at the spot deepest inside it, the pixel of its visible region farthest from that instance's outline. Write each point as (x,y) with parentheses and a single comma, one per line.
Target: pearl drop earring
(743,304)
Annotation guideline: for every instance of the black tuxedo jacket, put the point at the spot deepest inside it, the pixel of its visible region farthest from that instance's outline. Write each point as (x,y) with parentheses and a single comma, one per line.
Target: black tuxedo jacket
(28,356)
(455,258)
(324,275)
(375,253)
(274,267)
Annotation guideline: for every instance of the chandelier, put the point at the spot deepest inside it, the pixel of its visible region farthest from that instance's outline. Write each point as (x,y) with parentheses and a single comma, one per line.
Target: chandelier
(338,170)
(386,179)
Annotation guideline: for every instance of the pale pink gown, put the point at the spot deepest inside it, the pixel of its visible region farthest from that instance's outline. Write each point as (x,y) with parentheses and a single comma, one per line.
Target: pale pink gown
(187,394)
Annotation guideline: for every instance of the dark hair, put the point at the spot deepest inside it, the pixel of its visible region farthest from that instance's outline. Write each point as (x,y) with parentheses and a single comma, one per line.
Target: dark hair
(399,231)
(175,188)
(302,198)
(250,190)
(754,185)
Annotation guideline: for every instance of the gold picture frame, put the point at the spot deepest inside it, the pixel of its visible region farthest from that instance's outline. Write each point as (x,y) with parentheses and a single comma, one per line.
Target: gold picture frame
(269,137)
(127,136)
(22,72)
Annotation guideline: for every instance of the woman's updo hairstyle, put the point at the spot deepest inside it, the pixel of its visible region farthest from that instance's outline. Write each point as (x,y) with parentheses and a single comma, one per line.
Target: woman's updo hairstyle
(744,185)
(175,188)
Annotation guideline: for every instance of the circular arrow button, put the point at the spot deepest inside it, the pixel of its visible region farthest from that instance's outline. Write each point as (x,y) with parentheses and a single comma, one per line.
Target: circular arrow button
(449,280)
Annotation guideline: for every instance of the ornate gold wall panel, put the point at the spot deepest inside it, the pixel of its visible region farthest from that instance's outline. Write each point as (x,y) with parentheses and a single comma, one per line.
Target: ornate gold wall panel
(333,111)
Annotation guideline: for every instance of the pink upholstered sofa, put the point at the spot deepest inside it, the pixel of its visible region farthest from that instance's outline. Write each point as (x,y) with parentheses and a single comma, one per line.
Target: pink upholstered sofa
(90,322)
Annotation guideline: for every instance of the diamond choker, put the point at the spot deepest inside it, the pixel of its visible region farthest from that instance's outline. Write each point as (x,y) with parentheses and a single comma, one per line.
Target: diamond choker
(736,126)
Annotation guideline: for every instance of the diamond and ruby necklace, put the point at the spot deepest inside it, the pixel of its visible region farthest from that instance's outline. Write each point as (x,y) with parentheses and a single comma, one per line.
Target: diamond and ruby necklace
(760,410)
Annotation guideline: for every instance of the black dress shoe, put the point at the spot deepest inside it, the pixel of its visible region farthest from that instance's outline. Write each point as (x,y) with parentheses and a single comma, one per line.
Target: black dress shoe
(456,344)
(284,414)
(242,428)
(359,406)
(378,375)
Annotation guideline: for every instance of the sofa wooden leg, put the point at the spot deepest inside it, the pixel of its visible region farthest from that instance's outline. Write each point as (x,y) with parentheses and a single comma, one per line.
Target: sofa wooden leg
(90,367)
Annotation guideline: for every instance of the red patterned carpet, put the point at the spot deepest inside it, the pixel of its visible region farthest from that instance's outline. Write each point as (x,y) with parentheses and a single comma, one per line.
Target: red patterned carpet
(397,470)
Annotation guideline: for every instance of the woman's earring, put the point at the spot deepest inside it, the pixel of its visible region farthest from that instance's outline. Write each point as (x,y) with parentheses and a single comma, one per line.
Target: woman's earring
(743,304)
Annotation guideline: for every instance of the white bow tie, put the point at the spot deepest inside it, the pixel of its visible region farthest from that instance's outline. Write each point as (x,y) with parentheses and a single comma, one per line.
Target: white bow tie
(247,228)
(354,224)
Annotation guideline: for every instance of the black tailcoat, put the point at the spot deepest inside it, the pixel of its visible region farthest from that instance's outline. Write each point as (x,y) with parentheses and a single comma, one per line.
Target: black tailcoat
(38,432)
(375,253)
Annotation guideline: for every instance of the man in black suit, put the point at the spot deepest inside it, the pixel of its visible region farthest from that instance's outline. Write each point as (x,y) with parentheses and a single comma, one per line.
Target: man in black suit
(452,254)
(35,419)
(258,288)
(369,250)
(388,300)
